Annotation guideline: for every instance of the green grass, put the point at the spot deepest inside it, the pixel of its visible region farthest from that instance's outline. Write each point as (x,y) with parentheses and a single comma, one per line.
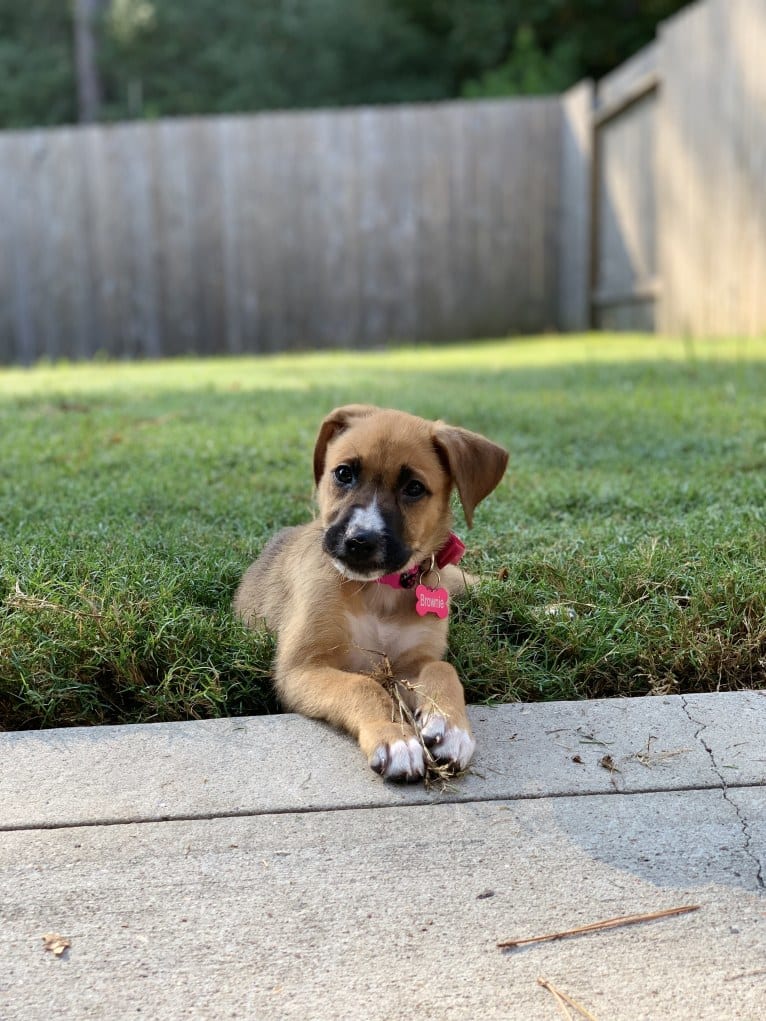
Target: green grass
(133,496)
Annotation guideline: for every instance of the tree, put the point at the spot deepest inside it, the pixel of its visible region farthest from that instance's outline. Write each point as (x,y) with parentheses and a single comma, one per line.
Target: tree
(86,60)
(36,65)
(152,58)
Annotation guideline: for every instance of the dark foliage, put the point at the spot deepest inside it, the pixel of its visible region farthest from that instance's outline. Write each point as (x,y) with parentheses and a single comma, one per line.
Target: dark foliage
(180,57)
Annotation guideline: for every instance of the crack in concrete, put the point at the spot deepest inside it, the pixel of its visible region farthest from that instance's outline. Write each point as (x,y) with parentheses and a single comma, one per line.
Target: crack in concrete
(759,877)
(741,819)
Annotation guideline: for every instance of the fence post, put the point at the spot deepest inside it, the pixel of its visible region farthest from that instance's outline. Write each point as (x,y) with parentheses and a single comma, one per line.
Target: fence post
(576,207)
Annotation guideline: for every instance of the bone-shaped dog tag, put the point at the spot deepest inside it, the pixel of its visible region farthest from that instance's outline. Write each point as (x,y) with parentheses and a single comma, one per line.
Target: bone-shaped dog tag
(432,600)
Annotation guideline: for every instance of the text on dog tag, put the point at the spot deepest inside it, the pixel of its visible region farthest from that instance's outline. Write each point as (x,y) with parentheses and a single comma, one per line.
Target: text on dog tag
(432,600)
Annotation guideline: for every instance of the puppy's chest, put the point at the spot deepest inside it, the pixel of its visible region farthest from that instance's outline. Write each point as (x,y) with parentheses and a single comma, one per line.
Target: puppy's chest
(372,636)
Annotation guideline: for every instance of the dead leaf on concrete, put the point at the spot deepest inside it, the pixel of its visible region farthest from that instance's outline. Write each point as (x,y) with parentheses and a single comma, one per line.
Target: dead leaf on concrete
(607,762)
(55,943)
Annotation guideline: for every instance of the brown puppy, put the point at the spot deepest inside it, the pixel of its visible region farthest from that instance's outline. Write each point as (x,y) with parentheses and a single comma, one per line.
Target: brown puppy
(341,592)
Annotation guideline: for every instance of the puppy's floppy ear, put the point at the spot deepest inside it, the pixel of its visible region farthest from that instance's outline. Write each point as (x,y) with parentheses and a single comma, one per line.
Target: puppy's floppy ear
(474,462)
(336,422)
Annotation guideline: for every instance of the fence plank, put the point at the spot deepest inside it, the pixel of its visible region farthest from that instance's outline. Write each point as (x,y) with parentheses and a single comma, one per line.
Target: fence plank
(550,200)
(275,229)
(244,272)
(174,216)
(497,290)
(378,214)
(230,147)
(712,167)
(626,217)
(67,240)
(461,234)
(335,320)
(574,233)
(436,287)
(25,159)
(7,326)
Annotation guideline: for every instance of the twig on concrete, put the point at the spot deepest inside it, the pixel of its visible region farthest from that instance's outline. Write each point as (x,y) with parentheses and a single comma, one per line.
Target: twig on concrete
(745,974)
(648,758)
(561,1003)
(564,1001)
(609,923)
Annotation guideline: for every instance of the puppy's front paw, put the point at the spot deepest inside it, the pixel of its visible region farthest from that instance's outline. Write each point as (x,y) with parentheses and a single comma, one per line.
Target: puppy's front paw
(447,742)
(399,759)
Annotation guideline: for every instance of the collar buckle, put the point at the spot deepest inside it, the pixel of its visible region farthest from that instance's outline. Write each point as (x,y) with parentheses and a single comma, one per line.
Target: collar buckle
(451,553)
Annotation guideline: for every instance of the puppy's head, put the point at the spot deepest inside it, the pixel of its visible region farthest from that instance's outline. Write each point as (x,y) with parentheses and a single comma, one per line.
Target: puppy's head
(384,480)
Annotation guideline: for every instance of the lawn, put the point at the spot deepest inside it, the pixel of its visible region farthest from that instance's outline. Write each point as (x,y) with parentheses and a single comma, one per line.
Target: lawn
(624,552)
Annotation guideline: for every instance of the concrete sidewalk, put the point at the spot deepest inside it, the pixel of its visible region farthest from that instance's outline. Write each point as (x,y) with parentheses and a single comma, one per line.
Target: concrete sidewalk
(256,869)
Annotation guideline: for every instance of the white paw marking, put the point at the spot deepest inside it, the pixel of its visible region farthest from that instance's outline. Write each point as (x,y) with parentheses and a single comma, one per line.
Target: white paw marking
(433,728)
(401,760)
(456,746)
(447,743)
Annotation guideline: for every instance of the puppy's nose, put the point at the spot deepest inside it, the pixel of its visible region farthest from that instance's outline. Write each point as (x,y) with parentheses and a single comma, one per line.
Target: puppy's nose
(361,544)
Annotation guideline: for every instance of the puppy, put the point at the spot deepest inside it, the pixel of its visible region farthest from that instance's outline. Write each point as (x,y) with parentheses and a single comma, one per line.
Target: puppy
(369,582)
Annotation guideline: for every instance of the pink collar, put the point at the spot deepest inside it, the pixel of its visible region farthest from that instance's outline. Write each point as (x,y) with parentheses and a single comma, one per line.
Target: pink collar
(451,553)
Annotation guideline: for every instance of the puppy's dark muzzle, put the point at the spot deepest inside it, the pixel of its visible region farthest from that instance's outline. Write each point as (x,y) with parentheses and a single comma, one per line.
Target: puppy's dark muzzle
(361,551)
(364,547)
(365,551)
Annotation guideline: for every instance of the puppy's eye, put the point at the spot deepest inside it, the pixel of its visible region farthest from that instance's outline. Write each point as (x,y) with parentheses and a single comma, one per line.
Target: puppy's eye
(414,489)
(343,474)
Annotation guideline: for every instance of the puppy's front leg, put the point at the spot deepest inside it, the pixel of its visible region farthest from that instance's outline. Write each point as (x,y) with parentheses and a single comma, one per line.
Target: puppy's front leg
(359,705)
(439,709)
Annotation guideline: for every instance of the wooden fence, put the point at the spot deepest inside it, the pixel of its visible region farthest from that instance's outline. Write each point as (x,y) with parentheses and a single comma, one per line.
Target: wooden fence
(625,282)
(711,169)
(679,213)
(267,232)
(639,205)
